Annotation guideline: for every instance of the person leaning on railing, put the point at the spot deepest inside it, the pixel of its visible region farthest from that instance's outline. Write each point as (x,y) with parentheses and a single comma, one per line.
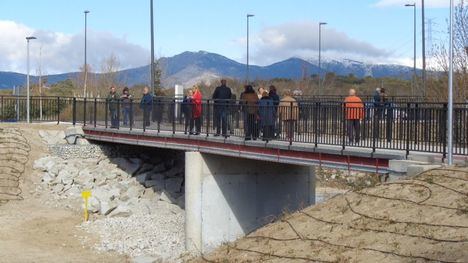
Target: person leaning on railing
(354,113)
(146,105)
(187,110)
(288,113)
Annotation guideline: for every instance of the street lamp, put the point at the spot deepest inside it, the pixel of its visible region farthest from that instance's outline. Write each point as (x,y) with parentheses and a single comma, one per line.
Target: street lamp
(152,66)
(86,12)
(320,57)
(27,81)
(248,36)
(414,46)
(423,49)
(450,93)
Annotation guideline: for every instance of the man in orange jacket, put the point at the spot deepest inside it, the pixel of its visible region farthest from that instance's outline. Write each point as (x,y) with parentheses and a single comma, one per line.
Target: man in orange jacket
(354,111)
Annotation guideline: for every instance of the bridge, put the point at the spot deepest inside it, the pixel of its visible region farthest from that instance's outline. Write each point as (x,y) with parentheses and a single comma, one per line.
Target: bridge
(236,181)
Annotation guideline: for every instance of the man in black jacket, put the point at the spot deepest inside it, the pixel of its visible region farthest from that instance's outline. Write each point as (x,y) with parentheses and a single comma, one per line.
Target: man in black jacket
(221,97)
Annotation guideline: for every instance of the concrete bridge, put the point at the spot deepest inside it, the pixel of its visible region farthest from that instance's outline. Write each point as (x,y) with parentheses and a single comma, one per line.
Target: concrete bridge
(233,185)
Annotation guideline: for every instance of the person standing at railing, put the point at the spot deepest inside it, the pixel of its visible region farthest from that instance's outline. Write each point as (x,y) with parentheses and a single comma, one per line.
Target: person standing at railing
(127,100)
(196,110)
(267,116)
(276,100)
(354,113)
(113,101)
(388,113)
(146,105)
(187,110)
(221,97)
(288,113)
(249,100)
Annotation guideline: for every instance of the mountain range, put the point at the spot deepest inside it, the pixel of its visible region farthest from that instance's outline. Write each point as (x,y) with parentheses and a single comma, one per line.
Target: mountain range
(189,68)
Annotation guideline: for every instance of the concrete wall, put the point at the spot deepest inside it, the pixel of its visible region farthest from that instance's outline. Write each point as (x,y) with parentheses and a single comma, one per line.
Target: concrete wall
(226,197)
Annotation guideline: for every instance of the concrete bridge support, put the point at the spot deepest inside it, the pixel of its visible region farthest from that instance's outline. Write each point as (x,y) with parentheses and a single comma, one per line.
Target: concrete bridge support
(227,197)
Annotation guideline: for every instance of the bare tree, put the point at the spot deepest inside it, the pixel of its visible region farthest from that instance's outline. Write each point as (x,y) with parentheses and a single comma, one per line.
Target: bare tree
(108,77)
(438,82)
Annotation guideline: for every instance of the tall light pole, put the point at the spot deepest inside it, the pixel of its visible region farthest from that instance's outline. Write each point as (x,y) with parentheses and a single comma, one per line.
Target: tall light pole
(450,93)
(152,67)
(414,46)
(247,78)
(320,57)
(28,103)
(86,12)
(423,49)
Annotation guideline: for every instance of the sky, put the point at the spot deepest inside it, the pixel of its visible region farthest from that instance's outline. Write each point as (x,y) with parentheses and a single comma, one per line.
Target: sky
(373,31)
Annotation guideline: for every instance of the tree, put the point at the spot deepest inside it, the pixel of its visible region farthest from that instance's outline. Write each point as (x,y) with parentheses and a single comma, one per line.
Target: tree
(108,77)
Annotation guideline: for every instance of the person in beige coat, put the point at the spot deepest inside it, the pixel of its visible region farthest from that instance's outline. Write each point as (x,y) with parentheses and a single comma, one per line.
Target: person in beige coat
(288,113)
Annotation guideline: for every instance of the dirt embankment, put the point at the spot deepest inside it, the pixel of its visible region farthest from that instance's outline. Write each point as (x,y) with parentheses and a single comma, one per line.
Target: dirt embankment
(423,219)
(31,230)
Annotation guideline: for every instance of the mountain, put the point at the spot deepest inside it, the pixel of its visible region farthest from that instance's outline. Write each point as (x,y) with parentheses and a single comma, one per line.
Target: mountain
(189,68)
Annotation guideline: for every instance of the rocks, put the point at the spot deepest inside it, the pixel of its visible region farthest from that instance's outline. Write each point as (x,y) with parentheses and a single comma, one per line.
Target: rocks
(130,166)
(52,137)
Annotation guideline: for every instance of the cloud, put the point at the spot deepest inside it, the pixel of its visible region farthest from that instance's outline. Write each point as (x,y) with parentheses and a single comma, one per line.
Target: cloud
(427,3)
(300,39)
(63,52)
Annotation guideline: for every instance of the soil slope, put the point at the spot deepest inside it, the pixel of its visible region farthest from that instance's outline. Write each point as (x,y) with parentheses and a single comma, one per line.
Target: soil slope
(423,219)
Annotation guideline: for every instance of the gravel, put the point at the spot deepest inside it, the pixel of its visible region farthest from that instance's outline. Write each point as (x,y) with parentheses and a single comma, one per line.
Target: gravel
(159,235)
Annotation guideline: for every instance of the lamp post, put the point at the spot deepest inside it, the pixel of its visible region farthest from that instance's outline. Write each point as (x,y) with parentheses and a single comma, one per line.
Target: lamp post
(28,119)
(320,57)
(450,93)
(414,46)
(152,66)
(86,12)
(423,49)
(248,36)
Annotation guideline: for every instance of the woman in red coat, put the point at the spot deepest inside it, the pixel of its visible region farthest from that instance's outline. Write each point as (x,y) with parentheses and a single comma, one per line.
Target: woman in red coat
(197,109)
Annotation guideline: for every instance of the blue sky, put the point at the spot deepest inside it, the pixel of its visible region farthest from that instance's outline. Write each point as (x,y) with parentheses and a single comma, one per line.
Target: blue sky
(377,31)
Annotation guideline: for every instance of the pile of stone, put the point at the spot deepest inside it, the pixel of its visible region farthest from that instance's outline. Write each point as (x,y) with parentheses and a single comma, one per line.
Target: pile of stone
(118,185)
(137,195)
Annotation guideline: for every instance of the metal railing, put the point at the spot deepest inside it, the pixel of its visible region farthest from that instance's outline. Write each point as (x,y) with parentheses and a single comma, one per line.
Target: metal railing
(410,126)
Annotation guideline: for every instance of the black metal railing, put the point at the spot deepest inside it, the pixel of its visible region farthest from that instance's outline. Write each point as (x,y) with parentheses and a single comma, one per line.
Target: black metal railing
(408,126)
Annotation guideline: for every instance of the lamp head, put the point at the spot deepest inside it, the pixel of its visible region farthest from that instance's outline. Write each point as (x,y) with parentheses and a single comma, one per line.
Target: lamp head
(31,38)
(410,5)
(86,11)
(250,15)
(323,23)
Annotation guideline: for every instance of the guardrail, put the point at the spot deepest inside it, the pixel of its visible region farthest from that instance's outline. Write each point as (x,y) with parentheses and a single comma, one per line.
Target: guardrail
(411,126)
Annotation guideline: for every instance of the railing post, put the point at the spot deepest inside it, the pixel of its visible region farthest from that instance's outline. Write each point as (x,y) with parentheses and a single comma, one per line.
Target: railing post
(118,114)
(95,112)
(444,154)
(3,115)
(408,105)
(208,118)
(343,138)
(58,110)
(74,111)
(106,112)
(375,122)
(316,109)
(84,111)
(131,114)
(290,128)
(174,116)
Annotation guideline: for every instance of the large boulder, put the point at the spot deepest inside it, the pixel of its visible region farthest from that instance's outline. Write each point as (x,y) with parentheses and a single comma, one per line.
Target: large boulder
(174,185)
(51,137)
(131,166)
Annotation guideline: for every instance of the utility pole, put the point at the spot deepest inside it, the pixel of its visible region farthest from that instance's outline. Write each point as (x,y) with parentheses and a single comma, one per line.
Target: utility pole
(320,57)
(450,93)
(423,50)
(247,78)
(152,66)
(86,12)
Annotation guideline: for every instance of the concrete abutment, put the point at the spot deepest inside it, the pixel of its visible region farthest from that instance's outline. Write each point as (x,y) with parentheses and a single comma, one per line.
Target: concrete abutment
(227,197)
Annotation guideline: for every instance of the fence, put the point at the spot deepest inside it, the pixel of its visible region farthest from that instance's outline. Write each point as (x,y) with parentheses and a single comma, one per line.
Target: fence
(409,126)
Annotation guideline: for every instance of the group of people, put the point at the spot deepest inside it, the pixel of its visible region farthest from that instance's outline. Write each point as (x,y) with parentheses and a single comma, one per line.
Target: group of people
(265,115)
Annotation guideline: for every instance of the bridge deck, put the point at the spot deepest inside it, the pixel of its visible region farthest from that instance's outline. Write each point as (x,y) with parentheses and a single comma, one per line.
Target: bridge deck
(332,156)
